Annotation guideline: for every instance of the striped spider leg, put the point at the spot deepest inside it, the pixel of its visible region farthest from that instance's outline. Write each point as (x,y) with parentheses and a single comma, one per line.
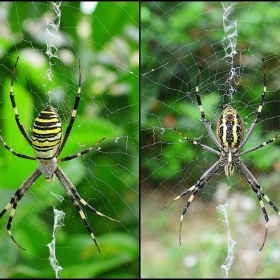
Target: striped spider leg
(229,140)
(46,141)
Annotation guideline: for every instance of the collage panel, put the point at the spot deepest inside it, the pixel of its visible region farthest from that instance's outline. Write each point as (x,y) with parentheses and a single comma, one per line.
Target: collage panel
(69,131)
(210,139)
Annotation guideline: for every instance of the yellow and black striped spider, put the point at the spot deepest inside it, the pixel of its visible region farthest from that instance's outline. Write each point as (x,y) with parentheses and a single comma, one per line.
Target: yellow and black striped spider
(229,139)
(46,141)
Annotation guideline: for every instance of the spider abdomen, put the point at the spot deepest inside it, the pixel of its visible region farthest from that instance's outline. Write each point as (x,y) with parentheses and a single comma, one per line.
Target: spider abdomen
(230,128)
(46,134)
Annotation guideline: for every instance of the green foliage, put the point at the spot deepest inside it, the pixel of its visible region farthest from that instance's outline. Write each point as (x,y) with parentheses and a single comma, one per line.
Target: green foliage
(173,44)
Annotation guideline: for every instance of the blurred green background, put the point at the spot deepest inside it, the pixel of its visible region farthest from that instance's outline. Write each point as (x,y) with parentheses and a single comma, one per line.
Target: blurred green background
(175,38)
(49,40)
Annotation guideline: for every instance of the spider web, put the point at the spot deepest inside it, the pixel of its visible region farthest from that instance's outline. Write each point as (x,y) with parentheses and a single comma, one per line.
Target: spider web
(49,37)
(224,226)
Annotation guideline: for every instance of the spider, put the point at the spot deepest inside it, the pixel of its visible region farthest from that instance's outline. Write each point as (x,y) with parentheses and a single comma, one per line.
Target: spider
(229,139)
(46,141)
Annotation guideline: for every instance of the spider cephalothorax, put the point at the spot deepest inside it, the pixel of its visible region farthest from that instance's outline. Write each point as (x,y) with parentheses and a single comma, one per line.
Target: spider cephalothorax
(229,140)
(46,141)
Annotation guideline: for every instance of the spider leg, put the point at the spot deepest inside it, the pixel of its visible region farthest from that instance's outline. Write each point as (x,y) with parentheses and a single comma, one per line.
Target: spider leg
(263,210)
(16,198)
(258,115)
(81,153)
(14,152)
(64,177)
(206,123)
(179,196)
(13,101)
(261,145)
(74,112)
(64,182)
(194,190)
(253,183)
(196,143)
